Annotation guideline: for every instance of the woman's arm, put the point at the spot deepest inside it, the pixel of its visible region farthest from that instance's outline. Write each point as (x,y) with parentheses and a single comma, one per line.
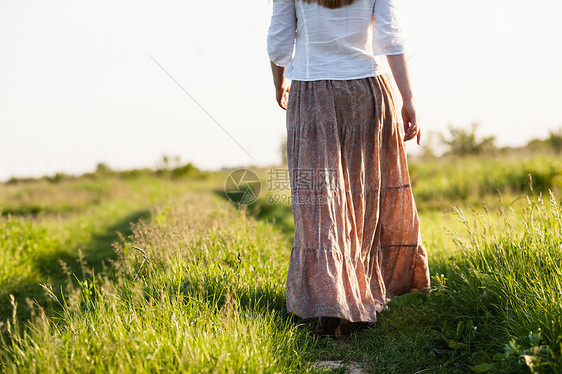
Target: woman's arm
(282,85)
(280,44)
(388,40)
(399,67)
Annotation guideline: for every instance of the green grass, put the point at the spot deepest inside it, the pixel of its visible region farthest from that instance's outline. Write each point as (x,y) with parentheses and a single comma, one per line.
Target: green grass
(208,298)
(440,182)
(150,273)
(36,247)
(508,284)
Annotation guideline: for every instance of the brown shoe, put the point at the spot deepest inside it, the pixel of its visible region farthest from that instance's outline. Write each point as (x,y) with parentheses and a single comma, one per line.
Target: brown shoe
(329,326)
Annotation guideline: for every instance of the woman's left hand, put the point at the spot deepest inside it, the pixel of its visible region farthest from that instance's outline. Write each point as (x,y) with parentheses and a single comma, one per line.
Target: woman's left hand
(282,94)
(282,85)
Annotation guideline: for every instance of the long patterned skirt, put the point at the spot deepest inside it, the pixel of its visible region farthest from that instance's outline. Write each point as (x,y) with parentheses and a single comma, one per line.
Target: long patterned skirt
(357,239)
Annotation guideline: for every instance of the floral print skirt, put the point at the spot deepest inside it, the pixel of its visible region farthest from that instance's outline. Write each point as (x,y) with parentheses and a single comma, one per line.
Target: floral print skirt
(357,239)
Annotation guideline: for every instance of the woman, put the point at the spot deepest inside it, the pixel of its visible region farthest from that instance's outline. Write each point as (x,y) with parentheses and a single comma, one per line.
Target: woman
(357,241)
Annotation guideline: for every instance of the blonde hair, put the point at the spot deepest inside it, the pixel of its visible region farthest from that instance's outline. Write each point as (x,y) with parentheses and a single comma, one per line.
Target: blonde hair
(332,4)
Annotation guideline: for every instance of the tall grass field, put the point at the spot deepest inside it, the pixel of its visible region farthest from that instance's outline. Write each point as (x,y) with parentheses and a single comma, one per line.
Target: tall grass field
(142,271)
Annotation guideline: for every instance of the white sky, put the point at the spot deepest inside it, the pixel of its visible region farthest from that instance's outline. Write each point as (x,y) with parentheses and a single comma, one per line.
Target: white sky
(77,86)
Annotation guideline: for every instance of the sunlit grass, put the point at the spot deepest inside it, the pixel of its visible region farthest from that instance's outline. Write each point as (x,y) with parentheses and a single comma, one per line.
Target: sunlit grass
(209,298)
(508,282)
(151,273)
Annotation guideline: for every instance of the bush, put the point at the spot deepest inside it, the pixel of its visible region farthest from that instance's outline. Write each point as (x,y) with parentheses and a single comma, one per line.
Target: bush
(461,142)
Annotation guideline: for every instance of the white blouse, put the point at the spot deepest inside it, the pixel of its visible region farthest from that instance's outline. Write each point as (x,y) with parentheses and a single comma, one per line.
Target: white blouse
(314,43)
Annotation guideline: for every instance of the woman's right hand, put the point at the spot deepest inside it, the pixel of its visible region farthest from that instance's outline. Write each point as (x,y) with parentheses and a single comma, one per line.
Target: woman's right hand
(411,126)
(399,66)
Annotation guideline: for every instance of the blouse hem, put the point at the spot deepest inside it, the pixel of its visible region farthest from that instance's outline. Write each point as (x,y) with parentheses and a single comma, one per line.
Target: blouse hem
(338,78)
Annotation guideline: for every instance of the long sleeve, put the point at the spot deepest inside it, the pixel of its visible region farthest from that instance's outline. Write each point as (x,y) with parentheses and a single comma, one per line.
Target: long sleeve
(282,32)
(388,36)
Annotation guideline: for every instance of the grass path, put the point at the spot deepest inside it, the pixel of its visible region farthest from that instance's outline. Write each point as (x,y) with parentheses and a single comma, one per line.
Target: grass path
(77,245)
(71,231)
(210,298)
(208,295)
